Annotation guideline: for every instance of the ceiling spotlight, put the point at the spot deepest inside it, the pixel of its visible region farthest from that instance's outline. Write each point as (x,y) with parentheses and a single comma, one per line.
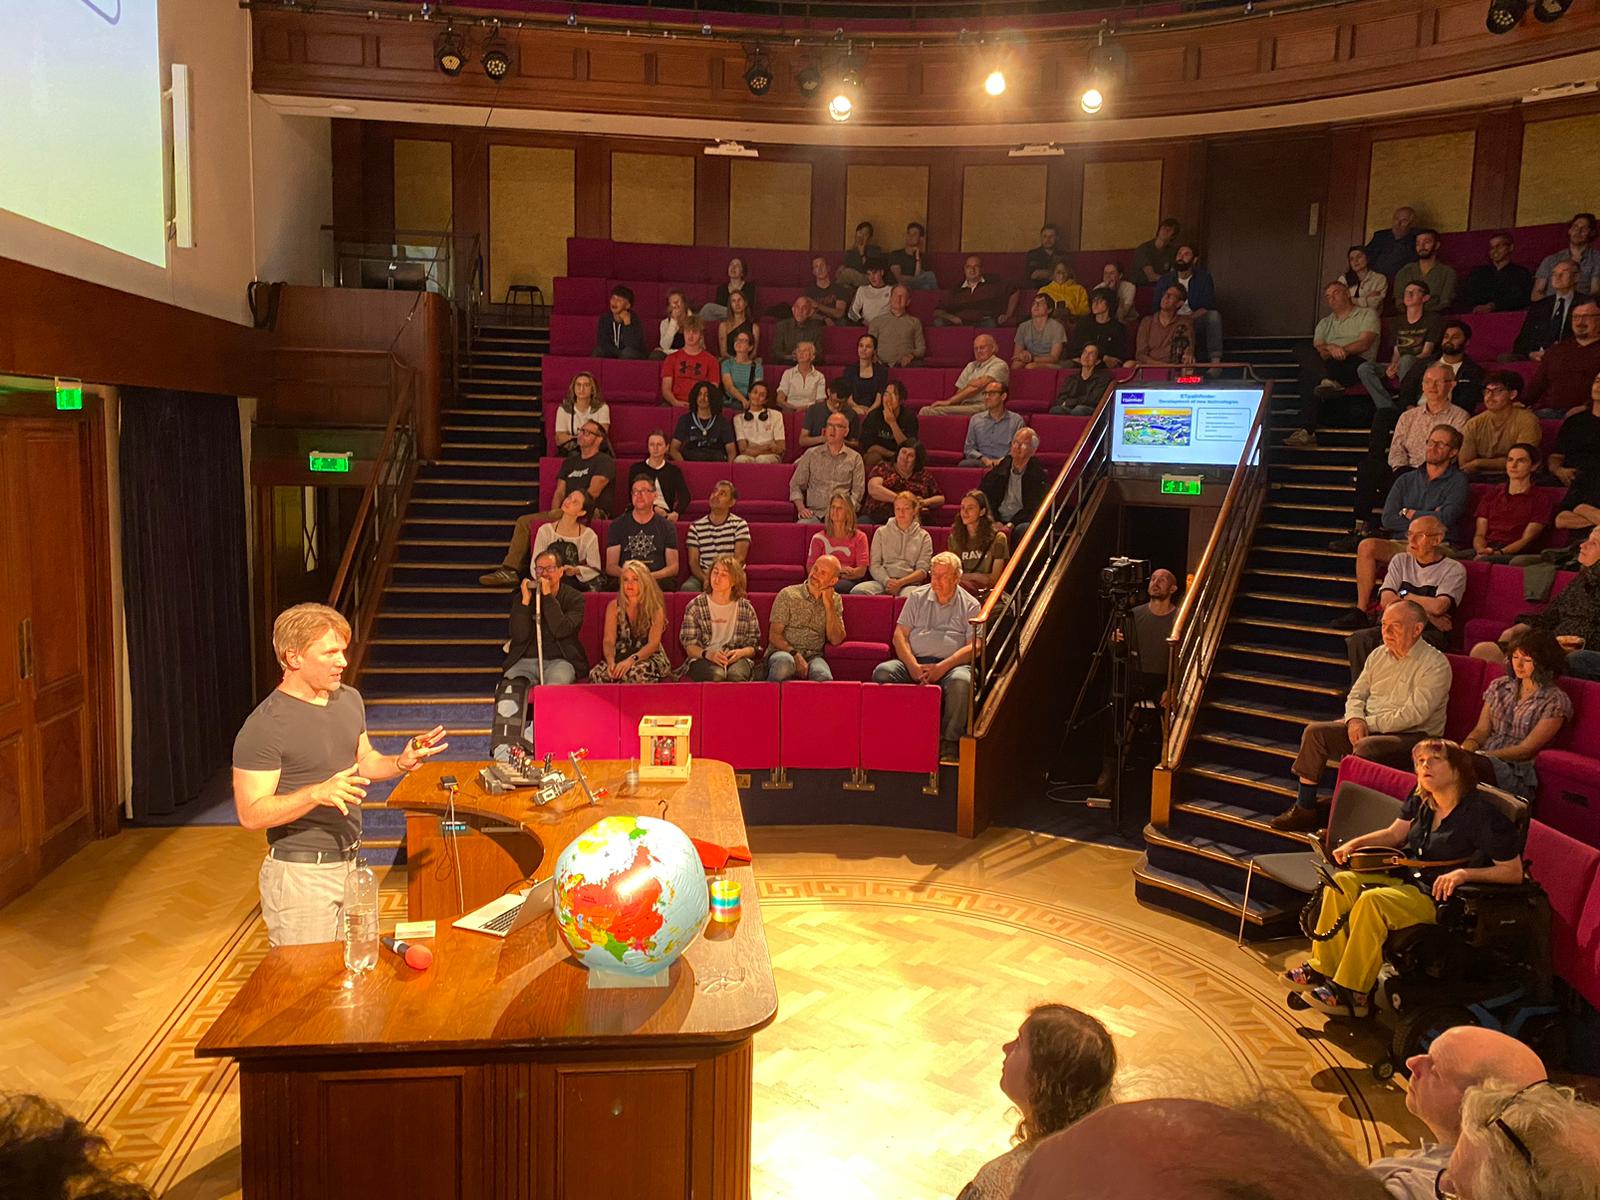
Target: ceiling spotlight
(758,74)
(809,81)
(572,18)
(1092,100)
(841,107)
(496,58)
(450,52)
(995,84)
(1505,15)
(1550,10)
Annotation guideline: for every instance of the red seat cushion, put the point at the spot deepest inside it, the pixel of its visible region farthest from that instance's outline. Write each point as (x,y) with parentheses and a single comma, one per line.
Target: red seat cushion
(821,725)
(657,700)
(571,334)
(1376,776)
(579,716)
(740,723)
(1467,682)
(900,727)
(1566,869)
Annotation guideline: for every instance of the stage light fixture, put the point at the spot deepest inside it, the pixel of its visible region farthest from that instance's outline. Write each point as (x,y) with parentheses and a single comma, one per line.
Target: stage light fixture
(758,74)
(808,80)
(995,83)
(1505,15)
(842,104)
(496,58)
(1092,100)
(1550,10)
(450,52)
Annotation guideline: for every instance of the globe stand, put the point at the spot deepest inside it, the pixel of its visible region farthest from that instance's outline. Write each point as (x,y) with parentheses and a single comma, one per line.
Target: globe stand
(599,980)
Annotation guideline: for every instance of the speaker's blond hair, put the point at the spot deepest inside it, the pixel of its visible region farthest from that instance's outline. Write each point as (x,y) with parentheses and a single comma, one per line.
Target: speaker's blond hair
(296,628)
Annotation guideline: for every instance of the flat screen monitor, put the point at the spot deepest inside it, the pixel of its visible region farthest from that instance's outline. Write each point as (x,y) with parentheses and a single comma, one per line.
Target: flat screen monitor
(1183,424)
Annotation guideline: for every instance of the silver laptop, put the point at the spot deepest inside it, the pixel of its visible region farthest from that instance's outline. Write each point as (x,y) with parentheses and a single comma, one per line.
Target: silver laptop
(504,915)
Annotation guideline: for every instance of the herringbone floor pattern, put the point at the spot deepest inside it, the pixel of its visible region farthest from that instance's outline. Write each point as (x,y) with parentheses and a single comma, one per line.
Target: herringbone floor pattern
(904,961)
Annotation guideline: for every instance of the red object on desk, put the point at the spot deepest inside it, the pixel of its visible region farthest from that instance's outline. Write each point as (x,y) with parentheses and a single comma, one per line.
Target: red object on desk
(714,857)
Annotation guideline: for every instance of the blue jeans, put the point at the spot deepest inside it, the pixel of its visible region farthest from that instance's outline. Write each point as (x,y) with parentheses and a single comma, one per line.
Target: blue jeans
(1371,375)
(956,684)
(1209,326)
(556,671)
(1584,664)
(780,666)
(922,281)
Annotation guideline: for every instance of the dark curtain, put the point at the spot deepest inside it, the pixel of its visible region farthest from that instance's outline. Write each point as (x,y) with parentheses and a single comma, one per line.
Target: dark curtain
(186,590)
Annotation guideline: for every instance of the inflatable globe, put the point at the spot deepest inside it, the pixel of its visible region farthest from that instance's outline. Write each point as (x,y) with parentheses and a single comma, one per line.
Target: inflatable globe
(630,895)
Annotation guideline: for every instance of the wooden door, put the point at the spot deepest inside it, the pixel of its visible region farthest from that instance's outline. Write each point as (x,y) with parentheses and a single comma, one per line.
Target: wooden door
(19,835)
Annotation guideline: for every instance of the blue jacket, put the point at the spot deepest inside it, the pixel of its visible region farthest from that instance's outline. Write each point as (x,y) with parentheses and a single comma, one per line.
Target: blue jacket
(1448,497)
(1202,292)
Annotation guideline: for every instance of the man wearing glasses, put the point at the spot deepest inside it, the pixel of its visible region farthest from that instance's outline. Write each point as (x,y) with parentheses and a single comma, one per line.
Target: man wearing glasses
(546,619)
(1502,424)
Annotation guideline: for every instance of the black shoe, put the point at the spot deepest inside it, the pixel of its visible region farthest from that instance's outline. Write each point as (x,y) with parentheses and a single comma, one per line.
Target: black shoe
(1350,543)
(1351,618)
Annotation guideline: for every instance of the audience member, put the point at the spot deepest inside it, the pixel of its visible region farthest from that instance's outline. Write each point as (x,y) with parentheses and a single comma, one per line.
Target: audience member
(933,640)
(1390,249)
(741,371)
(704,434)
(1580,251)
(1416,443)
(1082,390)
(1440,277)
(823,470)
(1103,329)
(617,332)
(1503,423)
(1420,573)
(572,542)
(989,432)
(683,369)
(1549,319)
(583,402)
(549,626)
(800,327)
(887,428)
(905,474)
(1016,484)
(802,385)
(634,625)
(829,298)
(592,471)
(717,535)
(872,297)
(909,267)
(1462,1057)
(759,429)
(1522,711)
(1567,369)
(720,308)
(1397,701)
(1165,336)
(978,543)
(862,250)
(901,341)
(741,319)
(1152,624)
(1200,297)
(642,535)
(902,551)
(986,367)
(1124,293)
(1575,462)
(1040,338)
(806,619)
(1537,1142)
(671,333)
(1467,391)
(1499,285)
(1039,264)
(977,299)
(1573,617)
(841,539)
(1057,1070)
(1368,288)
(47,1155)
(1068,299)
(1153,259)
(1342,341)
(1416,336)
(672,490)
(721,635)
(1511,519)
(813,422)
(864,378)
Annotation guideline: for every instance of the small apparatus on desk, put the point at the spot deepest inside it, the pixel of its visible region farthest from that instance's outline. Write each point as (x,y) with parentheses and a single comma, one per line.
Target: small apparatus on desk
(664,749)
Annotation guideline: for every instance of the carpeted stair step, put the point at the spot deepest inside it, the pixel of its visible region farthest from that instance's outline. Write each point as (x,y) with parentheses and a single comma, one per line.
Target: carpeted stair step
(1340,492)
(1327,514)
(444,528)
(506,438)
(1269,556)
(426,574)
(1324,669)
(1152,879)
(480,626)
(415,684)
(486,551)
(1302,535)
(474,507)
(466,653)
(1287,694)
(506,469)
(488,454)
(1312,585)
(1237,824)
(1226,860)
(458,491)
(1289,635)
(1264,602)
(481,419)
(403,598)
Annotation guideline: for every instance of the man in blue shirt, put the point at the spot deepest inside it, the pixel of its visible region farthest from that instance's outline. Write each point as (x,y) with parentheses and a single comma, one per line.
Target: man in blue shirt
(1201,303)
(933,644)
(989,433)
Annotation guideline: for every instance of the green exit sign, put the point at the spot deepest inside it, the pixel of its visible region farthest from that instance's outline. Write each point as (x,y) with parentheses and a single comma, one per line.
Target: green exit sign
(69,396)
(337,463)
(1180,485)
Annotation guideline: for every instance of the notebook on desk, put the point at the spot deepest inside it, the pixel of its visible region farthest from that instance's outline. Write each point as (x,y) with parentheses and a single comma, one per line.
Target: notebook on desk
(504,915)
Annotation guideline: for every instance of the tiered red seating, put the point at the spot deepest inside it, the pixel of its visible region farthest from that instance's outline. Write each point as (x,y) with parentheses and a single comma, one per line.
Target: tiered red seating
(1494,598)
(1569,772)
(1468,677)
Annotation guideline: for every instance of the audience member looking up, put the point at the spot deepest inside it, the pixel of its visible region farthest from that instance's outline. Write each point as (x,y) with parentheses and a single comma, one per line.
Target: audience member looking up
(672,490)
(828,298)
(1567,369)
(909,266)
(1445,820)
(572,542)
(1067,296)
(555,619)
(1420,573)
(813,421)
(1123,292)
(981,546)
(901,341)
(989,432)
(44,1153)
(823,470)
(671,333)
(741,319)
(1575,462)
(1573,617)
(933,644)
(800,326)
(1549,319)
(720,308)
(1416,336)
(1342,341)
(1522,712)
(721,635)
(806,619)
(1200,297)
(1581,252)
(682,369)
(1539,1141)
(861,251)
(1103,329)
(634,625)
(872,297)
(617,332)
(977,300)
(759,429)
(1416,443)
(1153,259)
(1454,335)
(1440,278)
(1511,519)
(1039,266)
(1016,484)
(642,535)
(986,368)
(1390,249)
(741,371)
(1503,423)
(905,474)
(1498,285)
(841,539)
(703,434)
(1399,699)
(1057,1070)
(1165,336)
(590,471)
(1082,389)
(1368,288)
(717,535)
(1040,338)
(583,402)
(888,428)
(802,385)
(902,551)
(864,378)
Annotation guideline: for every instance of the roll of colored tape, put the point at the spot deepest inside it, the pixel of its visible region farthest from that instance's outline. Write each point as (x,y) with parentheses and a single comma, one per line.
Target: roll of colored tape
(725,900)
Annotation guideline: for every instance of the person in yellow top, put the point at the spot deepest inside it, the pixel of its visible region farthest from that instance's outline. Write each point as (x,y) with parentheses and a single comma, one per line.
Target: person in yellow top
(1064,291)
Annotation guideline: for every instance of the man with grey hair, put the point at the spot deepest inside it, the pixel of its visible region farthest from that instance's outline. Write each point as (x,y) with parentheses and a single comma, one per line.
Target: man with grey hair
(823,470)
(1421,573)
(1460,1058)
(1016,485)
(933,643)
(806,619)
(1399,699)
(986,365)
(1538,1142)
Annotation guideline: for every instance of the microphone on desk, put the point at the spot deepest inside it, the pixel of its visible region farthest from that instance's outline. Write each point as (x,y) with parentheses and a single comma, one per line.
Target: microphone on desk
(418,958)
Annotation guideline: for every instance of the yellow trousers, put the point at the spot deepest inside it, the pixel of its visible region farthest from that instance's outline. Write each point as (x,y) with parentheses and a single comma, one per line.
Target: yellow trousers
(1377,904)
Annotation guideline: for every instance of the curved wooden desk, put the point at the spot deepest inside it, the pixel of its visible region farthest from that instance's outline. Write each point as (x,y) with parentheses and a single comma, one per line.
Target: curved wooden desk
(499,1073)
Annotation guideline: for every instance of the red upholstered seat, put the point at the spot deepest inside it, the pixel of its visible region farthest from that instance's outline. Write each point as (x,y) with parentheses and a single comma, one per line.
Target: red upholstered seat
(589,256)
(580,715)
(1058,434)
(821,725)
(1566,869)
(1376,776)
(1467,681)
(1585,951)
(579,295)
(635,381)
(1569,774)
(1034,391)
(943,437)
(740,723)
(868,629)
(1492,333)
(899,727)
(926,385)
(571,334)
(948,345)
(777,556)
(763,490)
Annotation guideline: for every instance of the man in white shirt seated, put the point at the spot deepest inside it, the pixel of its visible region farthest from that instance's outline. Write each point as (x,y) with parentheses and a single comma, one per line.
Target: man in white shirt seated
(986,364)
(933,644)
(872,297)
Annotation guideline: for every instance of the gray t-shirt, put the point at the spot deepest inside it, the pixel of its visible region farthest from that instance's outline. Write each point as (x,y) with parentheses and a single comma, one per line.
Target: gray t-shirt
(1151,632)
(306,743)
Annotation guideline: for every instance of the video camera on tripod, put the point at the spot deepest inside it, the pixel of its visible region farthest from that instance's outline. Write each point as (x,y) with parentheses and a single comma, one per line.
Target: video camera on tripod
(1123,580)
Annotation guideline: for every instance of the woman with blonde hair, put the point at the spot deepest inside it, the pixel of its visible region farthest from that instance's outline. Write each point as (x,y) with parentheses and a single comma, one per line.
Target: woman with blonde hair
(635,623)
(840,537)
(583,402)
(721,633)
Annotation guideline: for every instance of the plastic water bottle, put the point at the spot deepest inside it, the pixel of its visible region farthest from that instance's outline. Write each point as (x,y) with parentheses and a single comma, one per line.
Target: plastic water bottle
(360,919)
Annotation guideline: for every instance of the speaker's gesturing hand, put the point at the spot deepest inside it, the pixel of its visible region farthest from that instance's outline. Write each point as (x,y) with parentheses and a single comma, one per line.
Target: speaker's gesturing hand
(342,790)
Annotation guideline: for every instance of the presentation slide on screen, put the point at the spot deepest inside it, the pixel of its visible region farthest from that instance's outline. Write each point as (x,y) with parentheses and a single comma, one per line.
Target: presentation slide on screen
(80,135)
(1182,426)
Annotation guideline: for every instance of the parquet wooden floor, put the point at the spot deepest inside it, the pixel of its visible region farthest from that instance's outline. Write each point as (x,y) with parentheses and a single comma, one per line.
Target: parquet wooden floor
(904,961)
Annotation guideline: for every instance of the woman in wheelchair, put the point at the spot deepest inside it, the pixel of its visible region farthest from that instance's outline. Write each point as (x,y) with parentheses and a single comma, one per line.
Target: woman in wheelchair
(1522,713)
(1446,835)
